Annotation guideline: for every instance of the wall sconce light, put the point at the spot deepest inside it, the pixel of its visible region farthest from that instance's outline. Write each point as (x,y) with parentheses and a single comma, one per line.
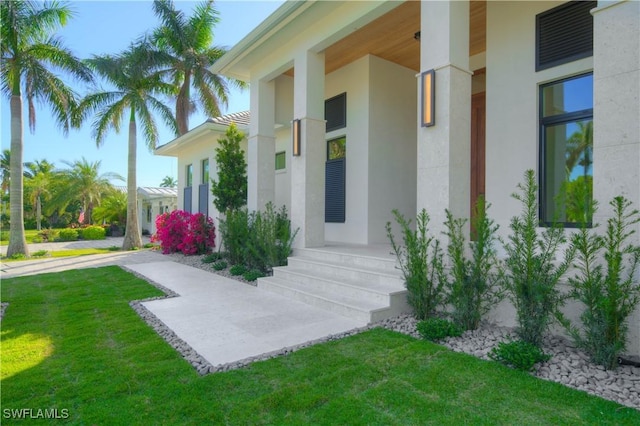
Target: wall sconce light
(295,135)
(428,98)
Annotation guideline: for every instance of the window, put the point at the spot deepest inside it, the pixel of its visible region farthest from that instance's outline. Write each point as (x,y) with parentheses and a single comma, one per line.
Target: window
(205,172)
(189,175)
(335,112)
(337,148)
(566,150)
(564,34)
(149,218)
(281,160)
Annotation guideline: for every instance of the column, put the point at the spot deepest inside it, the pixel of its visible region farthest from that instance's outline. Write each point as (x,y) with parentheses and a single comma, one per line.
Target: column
(261,146)
(444,149)
(307,169)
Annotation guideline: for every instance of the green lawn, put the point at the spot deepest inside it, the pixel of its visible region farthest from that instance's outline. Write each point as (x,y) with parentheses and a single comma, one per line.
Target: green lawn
(29,234)
(71,341)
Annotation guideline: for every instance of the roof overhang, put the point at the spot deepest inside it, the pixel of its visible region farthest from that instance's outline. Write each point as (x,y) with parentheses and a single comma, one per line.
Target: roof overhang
(173,148)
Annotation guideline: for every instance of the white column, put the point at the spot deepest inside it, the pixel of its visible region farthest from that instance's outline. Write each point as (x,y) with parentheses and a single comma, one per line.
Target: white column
(444,149)
(616,108)
(261,146)
(307,170)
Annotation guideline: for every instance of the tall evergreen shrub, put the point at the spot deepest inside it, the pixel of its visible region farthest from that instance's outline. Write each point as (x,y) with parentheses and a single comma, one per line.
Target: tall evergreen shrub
(606,283)
(532,270)
(421,262)
(473,280)
(230,190)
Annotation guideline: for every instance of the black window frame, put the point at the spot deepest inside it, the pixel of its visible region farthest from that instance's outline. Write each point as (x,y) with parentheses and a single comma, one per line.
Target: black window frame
(284,155)
(565,118)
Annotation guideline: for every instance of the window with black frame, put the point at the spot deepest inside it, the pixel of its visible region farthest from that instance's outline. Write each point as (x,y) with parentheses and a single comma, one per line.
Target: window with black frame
(566,151)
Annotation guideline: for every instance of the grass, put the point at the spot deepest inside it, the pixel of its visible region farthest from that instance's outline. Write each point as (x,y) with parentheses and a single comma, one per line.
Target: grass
(65,253)
(28,233)
(71,341)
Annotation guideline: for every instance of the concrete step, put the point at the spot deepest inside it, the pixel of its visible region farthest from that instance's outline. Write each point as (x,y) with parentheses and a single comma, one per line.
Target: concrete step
(363,310)
(381,261)
(357,289)
(341,272)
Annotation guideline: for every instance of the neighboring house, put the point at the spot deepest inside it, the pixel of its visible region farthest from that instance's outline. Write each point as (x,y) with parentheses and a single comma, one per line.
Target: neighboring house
(153,202)
(344,90)
(196,153)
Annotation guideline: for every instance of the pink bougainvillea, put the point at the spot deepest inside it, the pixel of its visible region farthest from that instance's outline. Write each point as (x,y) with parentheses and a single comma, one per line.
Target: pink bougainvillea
(185,232)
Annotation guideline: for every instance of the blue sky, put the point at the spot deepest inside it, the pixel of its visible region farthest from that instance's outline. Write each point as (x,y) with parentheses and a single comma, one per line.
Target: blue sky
(108,27)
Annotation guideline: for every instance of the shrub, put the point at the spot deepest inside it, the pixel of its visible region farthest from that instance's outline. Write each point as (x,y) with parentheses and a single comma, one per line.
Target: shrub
(609,295)
(270,239)
(68,234)
(39,253)
(211,257)
(230,190)
(420,260)
(532,274)
(235,234)
(37,239)
(437,328)
(473,283)
(220,265)
(518,354)
(237,269)
(48,235)
(4,235)
(93,233)
(184,232)
(252,275)
(113,248)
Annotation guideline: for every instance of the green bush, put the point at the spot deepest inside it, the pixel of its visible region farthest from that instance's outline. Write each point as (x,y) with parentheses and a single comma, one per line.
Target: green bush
(4,235)
(473,282)
(36,239)
(518,354)
(211,257)
(220,265)
(421,262)
(39,253)
(93,233)
(237,269)
(114,248)
(47,235)
(270,239)
(532,275)
(607,290)
(437,328)
(252,275)
(234,229)
(68,234)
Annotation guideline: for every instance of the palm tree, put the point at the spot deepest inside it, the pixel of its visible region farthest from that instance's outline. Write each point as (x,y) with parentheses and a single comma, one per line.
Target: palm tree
(29,50)
(113,208)
(136,84)
(5,165)
(39,180)
(84,182)
(185,48)
(169,182)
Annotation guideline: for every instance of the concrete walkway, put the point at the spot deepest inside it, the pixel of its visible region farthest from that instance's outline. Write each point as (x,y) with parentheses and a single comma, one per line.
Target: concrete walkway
(222,319)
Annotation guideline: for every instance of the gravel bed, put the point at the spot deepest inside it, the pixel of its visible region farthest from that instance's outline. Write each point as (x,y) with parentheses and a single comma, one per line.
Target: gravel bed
(196,262)
(568,365)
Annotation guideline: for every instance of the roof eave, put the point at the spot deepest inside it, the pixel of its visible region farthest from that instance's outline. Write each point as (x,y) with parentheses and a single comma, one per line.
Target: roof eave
(169,149)
(227,65)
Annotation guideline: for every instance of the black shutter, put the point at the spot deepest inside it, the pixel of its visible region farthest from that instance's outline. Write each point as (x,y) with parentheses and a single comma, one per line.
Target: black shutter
(335,112)
(203,199)
(334,194)
(564,34)
(187,199)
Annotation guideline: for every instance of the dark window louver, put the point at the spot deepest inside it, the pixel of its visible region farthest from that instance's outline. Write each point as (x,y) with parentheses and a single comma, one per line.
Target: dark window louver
(335,112)
(564,34)
(203,199)
(334,202)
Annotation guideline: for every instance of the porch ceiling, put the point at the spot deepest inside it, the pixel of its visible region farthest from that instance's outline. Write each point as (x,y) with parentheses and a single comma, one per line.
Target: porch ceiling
(391,37)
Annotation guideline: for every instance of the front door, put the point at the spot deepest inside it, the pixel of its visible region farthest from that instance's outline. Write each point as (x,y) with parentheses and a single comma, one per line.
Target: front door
(478,113)
(335,181)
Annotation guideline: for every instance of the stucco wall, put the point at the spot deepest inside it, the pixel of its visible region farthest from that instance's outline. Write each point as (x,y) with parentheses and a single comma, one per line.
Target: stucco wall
(392,145)
(353,79)
(512,135)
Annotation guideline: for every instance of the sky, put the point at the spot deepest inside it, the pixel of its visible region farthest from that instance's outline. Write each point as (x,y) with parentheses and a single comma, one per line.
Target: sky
(101,27)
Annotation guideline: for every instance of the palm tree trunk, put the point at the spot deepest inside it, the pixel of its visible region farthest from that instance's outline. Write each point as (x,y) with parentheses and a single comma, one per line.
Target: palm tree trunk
(17,241)
(132,237)
(183,105)
(38,213)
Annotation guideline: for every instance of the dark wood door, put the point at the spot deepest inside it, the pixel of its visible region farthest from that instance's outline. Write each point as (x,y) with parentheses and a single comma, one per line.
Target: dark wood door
(478,114)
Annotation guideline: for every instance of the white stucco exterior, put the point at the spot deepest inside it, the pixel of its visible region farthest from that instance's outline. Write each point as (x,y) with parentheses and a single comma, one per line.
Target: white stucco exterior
(392,162)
